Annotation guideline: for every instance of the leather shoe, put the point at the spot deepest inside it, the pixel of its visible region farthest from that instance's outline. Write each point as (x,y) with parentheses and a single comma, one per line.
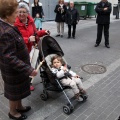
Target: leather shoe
(27,108)
(57,35)
(73,37)
(68,37)
(107,46)
(96,45)
(22,117)
(61,36)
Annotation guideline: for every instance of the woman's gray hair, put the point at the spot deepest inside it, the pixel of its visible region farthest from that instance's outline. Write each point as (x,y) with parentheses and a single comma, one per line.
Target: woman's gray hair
(24,5)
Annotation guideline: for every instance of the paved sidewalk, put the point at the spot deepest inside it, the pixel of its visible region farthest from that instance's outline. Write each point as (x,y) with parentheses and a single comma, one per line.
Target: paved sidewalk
(103,89)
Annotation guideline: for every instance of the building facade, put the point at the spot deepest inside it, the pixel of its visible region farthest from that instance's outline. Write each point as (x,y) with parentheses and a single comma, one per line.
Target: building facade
(49,6)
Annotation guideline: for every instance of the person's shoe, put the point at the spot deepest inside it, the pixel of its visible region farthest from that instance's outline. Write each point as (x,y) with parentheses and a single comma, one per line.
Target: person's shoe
(27,108)
(107,46)
(32,88)
(68,37)
(119,118)
(57,35)
(61,36)
(73,37)
(78,98)
(96,45)
(22,117)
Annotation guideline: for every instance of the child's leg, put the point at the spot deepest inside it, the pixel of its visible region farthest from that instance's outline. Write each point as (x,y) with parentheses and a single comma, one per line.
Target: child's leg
(71,83)
(79,83)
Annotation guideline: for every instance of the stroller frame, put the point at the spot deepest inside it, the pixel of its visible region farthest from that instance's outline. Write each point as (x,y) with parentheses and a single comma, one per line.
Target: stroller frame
(51,43)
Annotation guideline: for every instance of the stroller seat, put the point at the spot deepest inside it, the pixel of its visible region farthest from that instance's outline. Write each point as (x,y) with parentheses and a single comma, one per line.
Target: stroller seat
(50,86)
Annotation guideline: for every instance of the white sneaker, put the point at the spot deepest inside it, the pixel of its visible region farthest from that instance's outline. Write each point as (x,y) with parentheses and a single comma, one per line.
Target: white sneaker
(79,99)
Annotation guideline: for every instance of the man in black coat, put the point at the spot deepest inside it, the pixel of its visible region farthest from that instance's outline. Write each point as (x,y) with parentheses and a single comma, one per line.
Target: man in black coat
(72,18)
(103,10)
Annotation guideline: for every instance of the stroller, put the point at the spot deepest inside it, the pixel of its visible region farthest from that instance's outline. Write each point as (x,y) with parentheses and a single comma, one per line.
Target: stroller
(49,47)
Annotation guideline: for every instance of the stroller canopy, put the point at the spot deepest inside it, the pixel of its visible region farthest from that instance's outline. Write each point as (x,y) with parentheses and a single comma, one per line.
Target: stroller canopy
(48,45)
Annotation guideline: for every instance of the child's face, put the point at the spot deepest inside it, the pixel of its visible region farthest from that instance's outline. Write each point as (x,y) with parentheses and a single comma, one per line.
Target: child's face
(57,63)
(37,15)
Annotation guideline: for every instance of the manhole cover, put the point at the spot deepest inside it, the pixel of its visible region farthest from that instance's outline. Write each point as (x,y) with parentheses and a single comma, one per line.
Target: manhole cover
(93,68)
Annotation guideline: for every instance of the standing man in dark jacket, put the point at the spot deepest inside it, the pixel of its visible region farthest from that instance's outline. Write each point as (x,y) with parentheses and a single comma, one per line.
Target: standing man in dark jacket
(103,10)
(72,18)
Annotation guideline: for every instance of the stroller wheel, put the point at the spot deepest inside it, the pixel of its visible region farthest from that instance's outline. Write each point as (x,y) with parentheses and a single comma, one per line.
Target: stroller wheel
(45,92)
(67,110)
(44,96)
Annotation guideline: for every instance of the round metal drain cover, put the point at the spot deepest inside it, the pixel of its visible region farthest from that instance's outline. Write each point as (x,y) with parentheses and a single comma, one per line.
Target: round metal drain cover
(93,68)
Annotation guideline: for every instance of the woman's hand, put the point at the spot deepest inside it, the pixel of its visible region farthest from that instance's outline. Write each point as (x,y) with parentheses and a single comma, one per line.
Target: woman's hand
(47,32)
(32,38)
(34,73)
(77,76)
(64,69)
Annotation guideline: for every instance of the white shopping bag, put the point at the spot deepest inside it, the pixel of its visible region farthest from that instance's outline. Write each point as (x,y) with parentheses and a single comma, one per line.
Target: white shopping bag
(34,56)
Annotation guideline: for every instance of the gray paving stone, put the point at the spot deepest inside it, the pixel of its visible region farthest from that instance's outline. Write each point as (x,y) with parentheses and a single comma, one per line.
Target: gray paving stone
(115,103)
(112,116)
(61,117)
(71,117)
(93,116)
(82,108)
(102,116)
(99,102)
(117,110)
(108,94)
(99,110)
(108,110)
(89,111)
(105,104)
(81,117)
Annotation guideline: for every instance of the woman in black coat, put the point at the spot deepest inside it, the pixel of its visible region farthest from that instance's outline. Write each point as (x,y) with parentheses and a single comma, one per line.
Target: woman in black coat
(14,61)
(60,11)
(72,18)
(37,9)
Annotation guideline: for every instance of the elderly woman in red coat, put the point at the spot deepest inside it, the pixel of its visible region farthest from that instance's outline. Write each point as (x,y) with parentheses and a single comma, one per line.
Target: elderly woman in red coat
(14,61)
(25,23)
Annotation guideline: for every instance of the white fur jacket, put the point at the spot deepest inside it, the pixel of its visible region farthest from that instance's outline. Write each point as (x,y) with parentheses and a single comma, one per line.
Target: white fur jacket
(60,72)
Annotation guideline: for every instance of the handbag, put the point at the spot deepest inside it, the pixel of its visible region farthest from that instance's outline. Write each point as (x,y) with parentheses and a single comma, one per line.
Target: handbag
(63,18)
(34,53)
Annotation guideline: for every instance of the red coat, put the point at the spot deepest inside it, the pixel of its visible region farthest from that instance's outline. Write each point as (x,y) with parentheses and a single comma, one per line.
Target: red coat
(27,31)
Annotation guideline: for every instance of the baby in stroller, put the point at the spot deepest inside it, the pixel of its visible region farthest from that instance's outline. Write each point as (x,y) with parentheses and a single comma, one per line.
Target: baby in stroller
(49,48)
(67,77)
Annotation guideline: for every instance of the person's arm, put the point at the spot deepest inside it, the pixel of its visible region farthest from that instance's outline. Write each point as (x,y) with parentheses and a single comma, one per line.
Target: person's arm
(8,53)
(65,9)
(57,9)
(42,12)
(72,73)
(58,73)
(98,9)
(77,14)
(108,9)
(33,10)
